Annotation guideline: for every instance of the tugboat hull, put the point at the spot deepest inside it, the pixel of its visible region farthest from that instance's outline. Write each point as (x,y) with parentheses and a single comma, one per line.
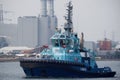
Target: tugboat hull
(53,68)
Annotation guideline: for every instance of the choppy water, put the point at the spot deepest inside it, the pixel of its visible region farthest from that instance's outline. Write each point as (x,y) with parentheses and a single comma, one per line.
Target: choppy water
(13,71)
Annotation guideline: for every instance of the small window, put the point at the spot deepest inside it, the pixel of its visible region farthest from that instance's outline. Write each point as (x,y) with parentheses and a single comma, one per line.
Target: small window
(56,43)
(62,43)
(62,36)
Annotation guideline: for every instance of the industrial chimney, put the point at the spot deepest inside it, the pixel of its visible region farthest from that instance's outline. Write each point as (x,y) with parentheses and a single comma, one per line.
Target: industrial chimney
(43,8)
(47,22)
(50,7)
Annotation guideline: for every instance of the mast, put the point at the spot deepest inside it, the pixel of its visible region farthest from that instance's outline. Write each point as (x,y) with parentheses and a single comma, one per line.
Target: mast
(68,26)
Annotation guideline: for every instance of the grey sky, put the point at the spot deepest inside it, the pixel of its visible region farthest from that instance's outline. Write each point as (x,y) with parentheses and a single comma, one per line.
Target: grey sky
(93,17)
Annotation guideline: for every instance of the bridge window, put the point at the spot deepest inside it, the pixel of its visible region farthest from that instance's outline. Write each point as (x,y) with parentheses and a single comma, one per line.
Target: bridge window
(62,43)
(55,43)
(62,36)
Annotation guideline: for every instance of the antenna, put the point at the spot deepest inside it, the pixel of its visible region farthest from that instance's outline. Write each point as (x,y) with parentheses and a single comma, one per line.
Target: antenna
(69,25)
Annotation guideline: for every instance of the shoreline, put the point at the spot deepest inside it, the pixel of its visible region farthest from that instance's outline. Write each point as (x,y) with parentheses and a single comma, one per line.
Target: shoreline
(9,59)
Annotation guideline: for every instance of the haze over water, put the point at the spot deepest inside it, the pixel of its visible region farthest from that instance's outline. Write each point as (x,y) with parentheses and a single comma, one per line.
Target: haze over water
(13,71)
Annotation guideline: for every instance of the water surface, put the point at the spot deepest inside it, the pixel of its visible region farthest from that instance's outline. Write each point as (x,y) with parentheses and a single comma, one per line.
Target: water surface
(13,71)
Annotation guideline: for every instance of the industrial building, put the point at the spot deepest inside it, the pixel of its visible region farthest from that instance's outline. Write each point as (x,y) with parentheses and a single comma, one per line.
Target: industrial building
(47,22)
(118,46)
(105,44)
(90,45)
(36,31)
(27,31)
(1,13)
(31,31)
(10,32)
(7,31)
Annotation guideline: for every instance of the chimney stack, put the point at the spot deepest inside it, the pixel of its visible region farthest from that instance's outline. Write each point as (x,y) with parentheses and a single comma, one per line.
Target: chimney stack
(50,7)
(43,8)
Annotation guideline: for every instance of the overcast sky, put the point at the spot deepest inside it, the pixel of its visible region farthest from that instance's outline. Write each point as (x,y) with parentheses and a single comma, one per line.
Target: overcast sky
(92,17)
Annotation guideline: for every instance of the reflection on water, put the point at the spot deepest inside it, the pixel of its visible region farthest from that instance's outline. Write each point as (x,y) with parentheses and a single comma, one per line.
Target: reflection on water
(13,71)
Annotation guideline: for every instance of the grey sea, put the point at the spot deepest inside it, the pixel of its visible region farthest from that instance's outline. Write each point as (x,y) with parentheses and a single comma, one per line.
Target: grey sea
(13,71)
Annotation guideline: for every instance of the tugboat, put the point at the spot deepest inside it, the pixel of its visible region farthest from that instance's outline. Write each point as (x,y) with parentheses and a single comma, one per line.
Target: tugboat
(66,58)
